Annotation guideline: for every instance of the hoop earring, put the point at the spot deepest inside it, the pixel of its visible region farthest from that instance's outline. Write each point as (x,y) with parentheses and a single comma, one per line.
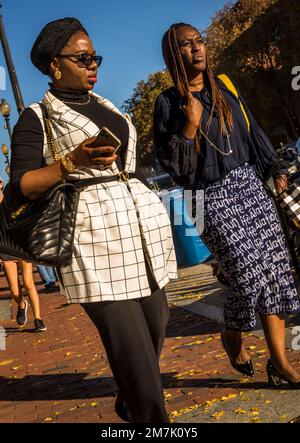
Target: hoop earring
(57,75)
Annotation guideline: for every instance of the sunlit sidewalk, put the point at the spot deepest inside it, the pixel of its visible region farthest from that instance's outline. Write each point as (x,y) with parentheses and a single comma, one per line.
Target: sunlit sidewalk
(62,375)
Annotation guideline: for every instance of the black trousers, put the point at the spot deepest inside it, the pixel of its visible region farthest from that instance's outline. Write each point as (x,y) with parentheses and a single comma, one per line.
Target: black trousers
(132,332)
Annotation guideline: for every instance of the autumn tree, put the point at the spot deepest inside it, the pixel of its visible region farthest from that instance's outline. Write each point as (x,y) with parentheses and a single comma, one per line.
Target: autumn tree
(260,61)
(230,22)
(141,107)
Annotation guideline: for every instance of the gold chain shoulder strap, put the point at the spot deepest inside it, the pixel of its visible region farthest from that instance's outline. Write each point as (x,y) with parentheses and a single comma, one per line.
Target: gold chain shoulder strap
(15,214)
(50,138)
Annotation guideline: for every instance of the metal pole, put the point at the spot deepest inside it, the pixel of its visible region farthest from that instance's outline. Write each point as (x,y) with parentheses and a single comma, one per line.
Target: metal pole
(10,67)
(8,127)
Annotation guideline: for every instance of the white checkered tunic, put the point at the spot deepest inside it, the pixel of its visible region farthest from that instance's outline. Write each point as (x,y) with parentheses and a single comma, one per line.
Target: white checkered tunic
(115,221)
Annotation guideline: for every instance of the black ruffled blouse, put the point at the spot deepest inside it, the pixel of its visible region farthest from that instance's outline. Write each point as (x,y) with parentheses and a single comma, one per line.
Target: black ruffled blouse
(178,156)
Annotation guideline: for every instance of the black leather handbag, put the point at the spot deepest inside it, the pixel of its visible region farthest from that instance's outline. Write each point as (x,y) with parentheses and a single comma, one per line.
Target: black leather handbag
(41,231)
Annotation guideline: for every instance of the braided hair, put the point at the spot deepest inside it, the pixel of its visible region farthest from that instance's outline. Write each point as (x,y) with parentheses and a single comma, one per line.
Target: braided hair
(175,65)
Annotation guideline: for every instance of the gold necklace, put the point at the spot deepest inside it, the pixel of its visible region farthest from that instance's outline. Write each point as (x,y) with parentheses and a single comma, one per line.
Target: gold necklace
(212,144)
(78,103)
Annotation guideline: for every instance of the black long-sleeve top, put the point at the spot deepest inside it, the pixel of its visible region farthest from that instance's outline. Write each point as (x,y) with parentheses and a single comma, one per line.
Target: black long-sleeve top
(178,155)
(28,136)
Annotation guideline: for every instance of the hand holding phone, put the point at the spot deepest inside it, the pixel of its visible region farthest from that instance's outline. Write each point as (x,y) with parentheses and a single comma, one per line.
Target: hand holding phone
(106,138)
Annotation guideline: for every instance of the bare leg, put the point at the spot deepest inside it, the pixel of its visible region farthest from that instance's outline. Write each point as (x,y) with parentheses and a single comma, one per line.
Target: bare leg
(11,272)
(234,345)
(274,329)
(31,289)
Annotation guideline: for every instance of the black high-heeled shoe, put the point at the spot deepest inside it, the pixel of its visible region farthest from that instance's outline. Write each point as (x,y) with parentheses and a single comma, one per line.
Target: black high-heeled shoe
(276,379)
(243,368)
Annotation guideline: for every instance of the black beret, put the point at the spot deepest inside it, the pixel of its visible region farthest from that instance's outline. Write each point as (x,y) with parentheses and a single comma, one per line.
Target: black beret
(51,40)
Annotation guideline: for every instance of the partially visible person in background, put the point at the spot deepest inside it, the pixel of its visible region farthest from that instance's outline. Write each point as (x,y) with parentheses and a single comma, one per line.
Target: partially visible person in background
(11,270)
(12,275)
(1,189)
(298,145)
(48,277)
(1,198)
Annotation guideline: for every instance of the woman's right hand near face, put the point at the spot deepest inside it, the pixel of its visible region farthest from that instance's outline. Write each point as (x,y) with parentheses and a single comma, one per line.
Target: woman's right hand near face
(193,112)
(86,156)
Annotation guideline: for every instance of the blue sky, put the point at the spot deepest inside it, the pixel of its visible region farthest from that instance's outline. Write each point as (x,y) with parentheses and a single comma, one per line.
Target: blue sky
(127,33)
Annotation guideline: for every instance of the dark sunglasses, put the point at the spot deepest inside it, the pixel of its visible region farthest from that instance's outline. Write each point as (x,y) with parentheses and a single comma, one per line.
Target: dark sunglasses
(83,60)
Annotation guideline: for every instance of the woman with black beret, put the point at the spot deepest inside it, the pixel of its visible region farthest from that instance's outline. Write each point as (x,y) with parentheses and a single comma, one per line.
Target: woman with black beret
(123,249)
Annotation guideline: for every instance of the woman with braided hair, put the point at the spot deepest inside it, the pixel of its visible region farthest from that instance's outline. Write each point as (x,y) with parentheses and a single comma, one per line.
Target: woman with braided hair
(207,139)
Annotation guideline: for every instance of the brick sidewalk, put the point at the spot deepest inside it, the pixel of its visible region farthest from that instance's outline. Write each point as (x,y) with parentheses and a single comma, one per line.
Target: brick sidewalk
(62,375)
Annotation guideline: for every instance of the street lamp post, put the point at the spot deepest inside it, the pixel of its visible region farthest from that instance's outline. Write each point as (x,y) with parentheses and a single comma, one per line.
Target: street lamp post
(5,111)
(4,150)
(11,67)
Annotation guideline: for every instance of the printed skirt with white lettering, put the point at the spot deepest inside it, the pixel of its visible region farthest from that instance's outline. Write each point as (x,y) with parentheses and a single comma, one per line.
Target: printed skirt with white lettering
(242,230)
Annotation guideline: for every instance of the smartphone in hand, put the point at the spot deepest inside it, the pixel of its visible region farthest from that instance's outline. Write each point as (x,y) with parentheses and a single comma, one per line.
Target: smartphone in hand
(106,138)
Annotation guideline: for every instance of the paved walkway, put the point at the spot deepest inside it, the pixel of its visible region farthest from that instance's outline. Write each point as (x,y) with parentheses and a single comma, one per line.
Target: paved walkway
(62,375)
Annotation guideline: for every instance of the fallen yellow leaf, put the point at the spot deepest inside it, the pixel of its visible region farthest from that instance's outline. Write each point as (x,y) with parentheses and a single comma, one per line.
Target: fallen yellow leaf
(94,403)
(240,411)
(6,362)
(208,403)
(218,415)
(244,380)
(197,342)
(208,339)
(228,397)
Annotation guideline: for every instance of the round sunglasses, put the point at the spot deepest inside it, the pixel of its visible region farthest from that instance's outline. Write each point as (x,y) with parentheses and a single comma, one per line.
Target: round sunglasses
(83,60)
